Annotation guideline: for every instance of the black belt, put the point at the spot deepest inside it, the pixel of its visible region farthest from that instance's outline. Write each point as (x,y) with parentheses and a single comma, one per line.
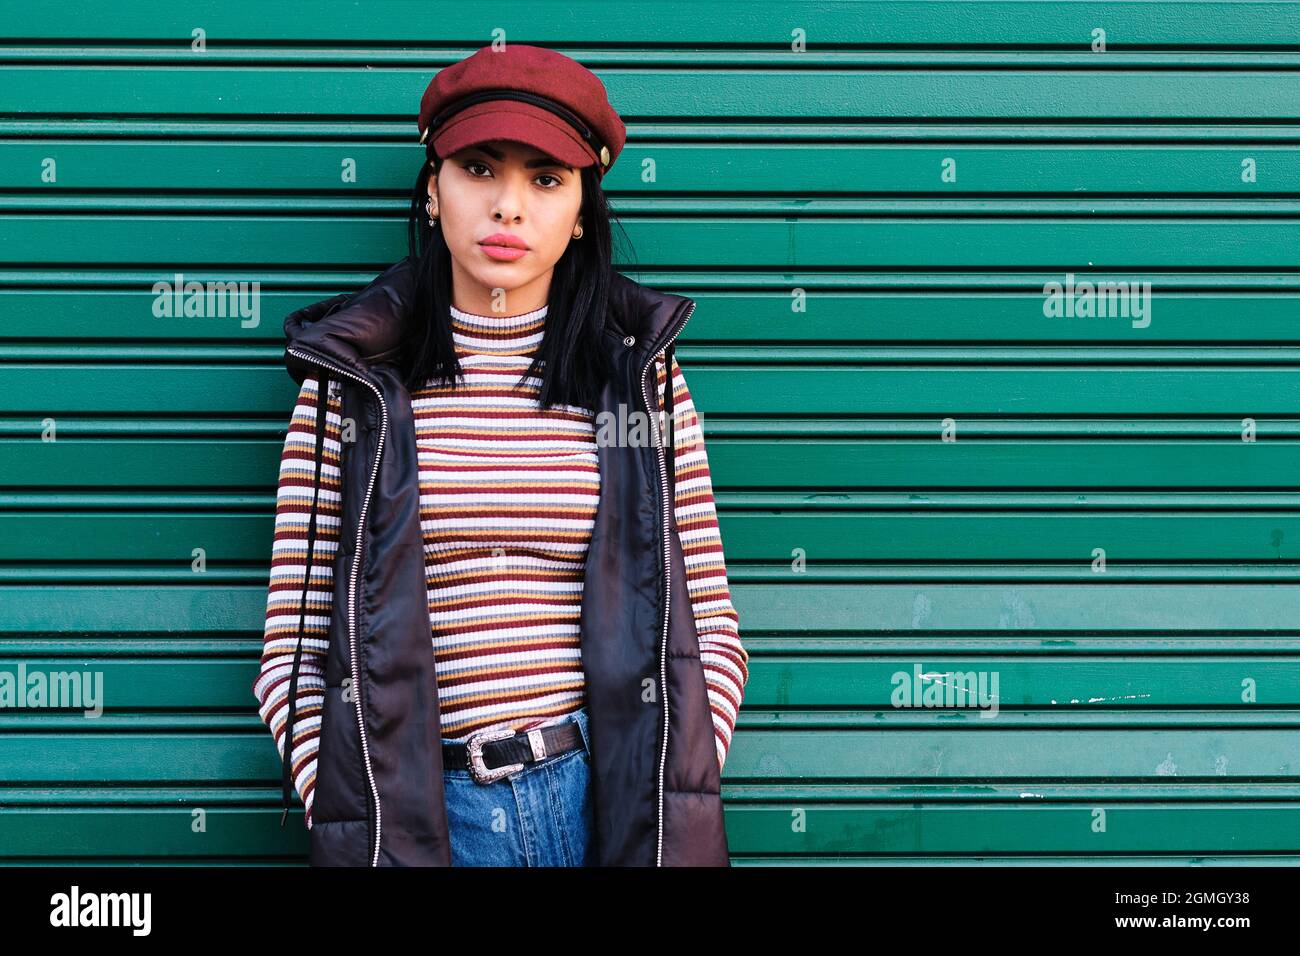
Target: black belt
(492,754)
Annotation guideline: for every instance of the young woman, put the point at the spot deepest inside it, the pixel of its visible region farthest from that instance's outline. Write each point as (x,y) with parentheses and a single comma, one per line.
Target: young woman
(493,640)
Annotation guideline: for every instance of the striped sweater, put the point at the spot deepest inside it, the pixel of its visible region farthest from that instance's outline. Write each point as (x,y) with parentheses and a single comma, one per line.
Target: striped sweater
(508,496)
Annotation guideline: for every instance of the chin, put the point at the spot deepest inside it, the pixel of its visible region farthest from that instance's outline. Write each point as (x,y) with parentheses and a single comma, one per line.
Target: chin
(504,275)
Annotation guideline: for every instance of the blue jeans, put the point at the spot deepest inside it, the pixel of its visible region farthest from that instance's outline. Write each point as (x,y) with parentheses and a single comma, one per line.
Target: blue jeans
(538,816)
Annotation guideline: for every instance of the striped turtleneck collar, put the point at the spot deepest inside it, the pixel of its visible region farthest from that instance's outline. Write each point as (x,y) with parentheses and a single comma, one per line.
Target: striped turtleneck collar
(472,321)
(498,333)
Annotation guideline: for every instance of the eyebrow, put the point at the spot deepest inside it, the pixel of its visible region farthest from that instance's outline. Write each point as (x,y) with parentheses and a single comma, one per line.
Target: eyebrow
(530,164)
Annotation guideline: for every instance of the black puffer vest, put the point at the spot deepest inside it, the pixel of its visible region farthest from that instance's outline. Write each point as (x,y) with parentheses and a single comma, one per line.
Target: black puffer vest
(378,793)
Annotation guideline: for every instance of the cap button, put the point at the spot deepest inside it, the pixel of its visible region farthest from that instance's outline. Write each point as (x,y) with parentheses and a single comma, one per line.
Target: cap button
(604,156)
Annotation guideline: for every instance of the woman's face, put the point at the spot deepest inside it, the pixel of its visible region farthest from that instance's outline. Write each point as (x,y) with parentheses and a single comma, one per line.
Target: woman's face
(496,189)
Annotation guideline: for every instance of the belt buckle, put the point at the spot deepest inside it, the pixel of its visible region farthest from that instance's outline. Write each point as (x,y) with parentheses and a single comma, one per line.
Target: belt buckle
(474,748)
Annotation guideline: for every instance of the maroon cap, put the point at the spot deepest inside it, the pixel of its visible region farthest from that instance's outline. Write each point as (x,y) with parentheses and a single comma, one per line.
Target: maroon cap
(524,93)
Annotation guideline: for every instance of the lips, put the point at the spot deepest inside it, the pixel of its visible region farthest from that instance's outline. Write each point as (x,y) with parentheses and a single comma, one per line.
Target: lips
(505,240)
(503,247)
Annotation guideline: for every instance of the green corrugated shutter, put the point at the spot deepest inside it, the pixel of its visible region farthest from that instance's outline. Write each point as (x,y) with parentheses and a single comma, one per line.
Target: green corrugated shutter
(868,224)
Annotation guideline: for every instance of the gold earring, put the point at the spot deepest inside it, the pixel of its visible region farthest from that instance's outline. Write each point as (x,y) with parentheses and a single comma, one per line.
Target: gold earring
(578,233)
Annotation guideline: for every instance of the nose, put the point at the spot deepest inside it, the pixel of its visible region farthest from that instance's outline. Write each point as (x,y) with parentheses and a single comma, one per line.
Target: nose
(510,195)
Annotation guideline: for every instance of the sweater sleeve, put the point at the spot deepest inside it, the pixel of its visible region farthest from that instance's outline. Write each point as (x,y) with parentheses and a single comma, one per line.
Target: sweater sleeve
(726,663)
(284,595)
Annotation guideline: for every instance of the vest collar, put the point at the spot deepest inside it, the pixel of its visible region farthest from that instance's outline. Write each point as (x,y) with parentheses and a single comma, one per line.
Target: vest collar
(359,329)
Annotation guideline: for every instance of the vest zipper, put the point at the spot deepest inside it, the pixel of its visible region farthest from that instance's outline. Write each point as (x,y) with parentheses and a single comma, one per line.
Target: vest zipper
(352,584)
(668,578)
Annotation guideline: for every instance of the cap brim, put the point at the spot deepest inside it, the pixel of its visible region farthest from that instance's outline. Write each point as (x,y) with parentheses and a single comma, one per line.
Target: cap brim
(513,120)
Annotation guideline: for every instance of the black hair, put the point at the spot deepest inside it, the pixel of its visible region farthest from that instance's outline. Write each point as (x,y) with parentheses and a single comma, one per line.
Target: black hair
(570,363)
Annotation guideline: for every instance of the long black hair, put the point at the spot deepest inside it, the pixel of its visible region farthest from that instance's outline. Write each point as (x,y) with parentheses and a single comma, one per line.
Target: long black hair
(570,362)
